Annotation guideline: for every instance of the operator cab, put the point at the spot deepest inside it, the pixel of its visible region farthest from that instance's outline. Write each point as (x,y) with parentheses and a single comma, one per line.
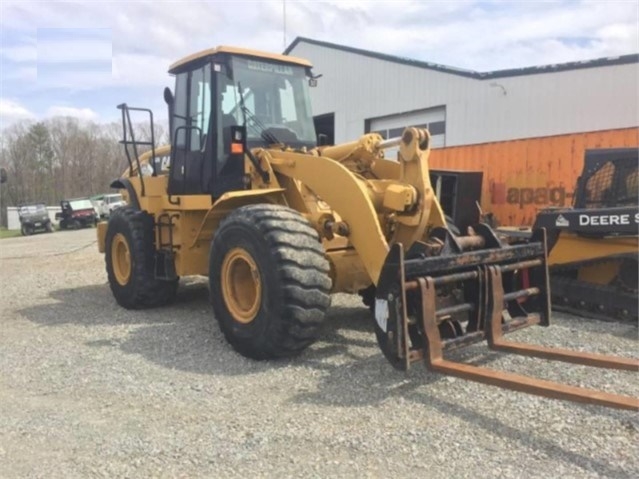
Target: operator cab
(230,95)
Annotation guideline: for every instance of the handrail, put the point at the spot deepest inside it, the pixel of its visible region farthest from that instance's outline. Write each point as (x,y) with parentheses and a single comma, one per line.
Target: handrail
(130,140)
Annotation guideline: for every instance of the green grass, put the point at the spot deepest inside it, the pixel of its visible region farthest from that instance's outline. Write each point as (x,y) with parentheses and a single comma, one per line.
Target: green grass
(5,233)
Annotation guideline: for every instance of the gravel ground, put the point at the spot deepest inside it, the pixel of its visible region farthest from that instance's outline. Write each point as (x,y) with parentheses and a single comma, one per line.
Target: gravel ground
(88,389)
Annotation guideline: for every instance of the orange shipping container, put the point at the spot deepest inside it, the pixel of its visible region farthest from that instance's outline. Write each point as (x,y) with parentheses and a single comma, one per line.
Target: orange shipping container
(523,176)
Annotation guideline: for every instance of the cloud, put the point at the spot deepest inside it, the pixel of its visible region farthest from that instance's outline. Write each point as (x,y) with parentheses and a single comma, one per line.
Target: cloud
(141,39)
(478,35)
(20,74)
(12,111)
(76,50)
(20,53)
(468,34)
(80,113)
(141,70)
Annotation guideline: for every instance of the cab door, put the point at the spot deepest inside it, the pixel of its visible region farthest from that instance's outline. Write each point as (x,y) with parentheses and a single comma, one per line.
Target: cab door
(228,174)
(192,156)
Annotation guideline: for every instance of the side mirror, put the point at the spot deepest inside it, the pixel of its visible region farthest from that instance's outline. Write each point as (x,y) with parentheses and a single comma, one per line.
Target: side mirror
(3,175)
(168,96)
(169,99)
(312,80)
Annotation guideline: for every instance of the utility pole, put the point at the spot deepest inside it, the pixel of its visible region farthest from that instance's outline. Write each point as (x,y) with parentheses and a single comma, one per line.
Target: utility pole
(284,22)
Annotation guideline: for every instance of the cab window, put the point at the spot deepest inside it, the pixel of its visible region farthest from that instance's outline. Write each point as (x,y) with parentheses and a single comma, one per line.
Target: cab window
(200,107)
(179,112)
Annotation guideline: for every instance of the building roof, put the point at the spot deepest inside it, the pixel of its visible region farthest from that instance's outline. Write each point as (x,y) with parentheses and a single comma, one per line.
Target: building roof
(599,62)
(237,51)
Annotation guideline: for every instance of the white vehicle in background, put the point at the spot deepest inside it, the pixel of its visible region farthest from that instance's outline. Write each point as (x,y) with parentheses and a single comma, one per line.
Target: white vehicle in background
(108,203)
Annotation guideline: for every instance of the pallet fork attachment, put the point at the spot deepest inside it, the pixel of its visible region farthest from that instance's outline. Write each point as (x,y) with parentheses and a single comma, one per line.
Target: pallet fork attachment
(505,288)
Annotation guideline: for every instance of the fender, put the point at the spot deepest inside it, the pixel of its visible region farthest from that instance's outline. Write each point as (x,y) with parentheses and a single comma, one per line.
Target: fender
(229,202)
(125,184)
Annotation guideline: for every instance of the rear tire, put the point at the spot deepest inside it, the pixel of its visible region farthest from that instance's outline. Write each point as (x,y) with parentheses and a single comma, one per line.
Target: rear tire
(130,234)
(268,279)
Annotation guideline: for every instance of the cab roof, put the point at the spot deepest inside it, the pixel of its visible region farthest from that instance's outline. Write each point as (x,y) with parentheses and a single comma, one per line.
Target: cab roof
(180,64)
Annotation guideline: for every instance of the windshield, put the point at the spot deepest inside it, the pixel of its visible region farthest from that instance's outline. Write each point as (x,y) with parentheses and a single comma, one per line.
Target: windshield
(277,98)
(32,209)
(81,204)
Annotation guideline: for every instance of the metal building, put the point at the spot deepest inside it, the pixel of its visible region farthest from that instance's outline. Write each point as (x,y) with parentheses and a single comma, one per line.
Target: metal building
(362,91)
(523,133)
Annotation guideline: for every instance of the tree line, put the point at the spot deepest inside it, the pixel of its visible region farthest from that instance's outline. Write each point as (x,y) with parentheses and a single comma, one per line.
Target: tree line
(61,158)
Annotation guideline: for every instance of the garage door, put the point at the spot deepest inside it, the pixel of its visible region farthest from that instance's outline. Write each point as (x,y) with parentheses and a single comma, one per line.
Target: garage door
(392,126)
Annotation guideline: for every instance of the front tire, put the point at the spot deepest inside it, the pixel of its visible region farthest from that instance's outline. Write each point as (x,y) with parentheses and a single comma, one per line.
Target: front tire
(130,261)
(268,279)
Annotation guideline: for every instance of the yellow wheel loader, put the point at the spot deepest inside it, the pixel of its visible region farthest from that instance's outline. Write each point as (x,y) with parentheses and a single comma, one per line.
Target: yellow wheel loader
(245,196)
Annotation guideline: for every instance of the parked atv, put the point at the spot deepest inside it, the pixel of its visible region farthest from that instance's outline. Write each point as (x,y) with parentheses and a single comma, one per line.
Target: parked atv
(34,218)
(77,213)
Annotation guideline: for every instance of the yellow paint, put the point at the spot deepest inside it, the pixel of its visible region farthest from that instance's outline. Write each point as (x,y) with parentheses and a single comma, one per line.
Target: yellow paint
(571,248)
(399,197)
(600,273)
(347,195)
(121,259)
(242,52)
(231,201)
(241,285)
(164,150)
(414,153)
(347,271)
(101,230)
(193,261)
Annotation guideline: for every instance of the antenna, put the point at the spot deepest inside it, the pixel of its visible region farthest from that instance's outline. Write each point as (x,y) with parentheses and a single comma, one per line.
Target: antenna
(284,22)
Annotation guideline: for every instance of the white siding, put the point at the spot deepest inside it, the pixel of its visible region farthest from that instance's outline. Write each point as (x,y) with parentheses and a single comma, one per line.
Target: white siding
(386,124)
(357,87)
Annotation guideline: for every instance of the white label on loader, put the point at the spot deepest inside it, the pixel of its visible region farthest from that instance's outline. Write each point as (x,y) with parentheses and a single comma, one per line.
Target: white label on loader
(381,313)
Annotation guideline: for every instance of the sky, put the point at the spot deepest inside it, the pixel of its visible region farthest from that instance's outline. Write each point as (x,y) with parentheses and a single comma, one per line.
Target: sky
(83,58)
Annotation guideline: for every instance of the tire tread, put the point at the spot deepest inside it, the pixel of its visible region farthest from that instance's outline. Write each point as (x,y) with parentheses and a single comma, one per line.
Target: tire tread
(304,283)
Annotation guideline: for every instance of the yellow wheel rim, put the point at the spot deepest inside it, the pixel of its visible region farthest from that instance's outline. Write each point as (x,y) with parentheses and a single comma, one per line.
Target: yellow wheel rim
(241,285)
(121,259)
